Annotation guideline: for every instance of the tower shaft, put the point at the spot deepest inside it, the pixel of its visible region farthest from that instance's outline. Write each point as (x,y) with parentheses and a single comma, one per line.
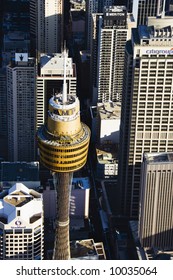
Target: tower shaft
(61,246)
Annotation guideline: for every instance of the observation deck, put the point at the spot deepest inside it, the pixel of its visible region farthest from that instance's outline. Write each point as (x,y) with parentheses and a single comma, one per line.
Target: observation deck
(63,141)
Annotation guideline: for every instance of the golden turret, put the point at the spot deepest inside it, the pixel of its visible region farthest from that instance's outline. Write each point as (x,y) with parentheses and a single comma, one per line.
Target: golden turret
(64,140)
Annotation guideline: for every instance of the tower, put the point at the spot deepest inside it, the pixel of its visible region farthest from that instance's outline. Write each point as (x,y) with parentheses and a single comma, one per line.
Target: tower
(147,114)
(155,219)
(21,75)
(63,143)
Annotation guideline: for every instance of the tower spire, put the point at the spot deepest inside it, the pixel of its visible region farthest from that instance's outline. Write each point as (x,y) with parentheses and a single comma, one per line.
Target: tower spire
(64,95)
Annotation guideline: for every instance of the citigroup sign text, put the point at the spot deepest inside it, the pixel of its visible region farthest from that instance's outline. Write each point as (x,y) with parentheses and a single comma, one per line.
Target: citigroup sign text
(152,51)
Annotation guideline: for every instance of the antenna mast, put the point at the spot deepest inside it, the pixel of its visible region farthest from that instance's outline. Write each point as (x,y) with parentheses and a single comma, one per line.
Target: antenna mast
(64,95)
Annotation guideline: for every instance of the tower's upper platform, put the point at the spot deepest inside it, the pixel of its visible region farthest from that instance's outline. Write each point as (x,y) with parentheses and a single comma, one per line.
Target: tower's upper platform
(63,141)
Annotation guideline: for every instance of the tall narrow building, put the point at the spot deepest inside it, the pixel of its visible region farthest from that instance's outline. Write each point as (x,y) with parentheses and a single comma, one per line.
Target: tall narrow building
(46,25)
(156,200)
(3,114)
(21,75)
(115,30)
(94,6)
(63,144)
(147,105)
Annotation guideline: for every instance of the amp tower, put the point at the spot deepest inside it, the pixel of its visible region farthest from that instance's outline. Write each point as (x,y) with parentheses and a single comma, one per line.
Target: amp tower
(63,143)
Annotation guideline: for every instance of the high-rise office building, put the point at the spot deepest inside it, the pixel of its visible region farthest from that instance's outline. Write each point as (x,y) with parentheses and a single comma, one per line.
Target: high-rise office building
(147,115)
(63,144)
(156,200)
(93,6)
(3,115)
(97,7)
(21,76)
(46,21)
(50,81)
(142,9)
(3,100)
(115,30)
(15,35)
(95,27)
(21,224)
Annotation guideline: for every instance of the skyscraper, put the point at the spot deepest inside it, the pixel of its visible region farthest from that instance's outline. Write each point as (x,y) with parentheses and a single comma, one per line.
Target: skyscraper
(147,114)
(3,97)
(46,21)
(63,144)
(115,30)
(156,200)
(21,75)
(93,6)
(142,9)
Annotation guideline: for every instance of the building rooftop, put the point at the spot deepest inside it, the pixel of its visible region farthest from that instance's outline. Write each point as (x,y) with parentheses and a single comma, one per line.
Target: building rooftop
(56,62)
(19,194)
(20,171)
(104,156)
(18,199)
(158,157)
(109,110)
(87,249)
(158,32)
(115,9)
(13,200)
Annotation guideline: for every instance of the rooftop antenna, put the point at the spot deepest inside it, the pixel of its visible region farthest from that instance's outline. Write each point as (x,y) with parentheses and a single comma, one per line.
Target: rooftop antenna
(64,94)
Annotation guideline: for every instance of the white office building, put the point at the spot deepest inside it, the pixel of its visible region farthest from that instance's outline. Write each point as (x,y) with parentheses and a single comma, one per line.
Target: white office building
(21,224)
(147,106)
(155,219)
